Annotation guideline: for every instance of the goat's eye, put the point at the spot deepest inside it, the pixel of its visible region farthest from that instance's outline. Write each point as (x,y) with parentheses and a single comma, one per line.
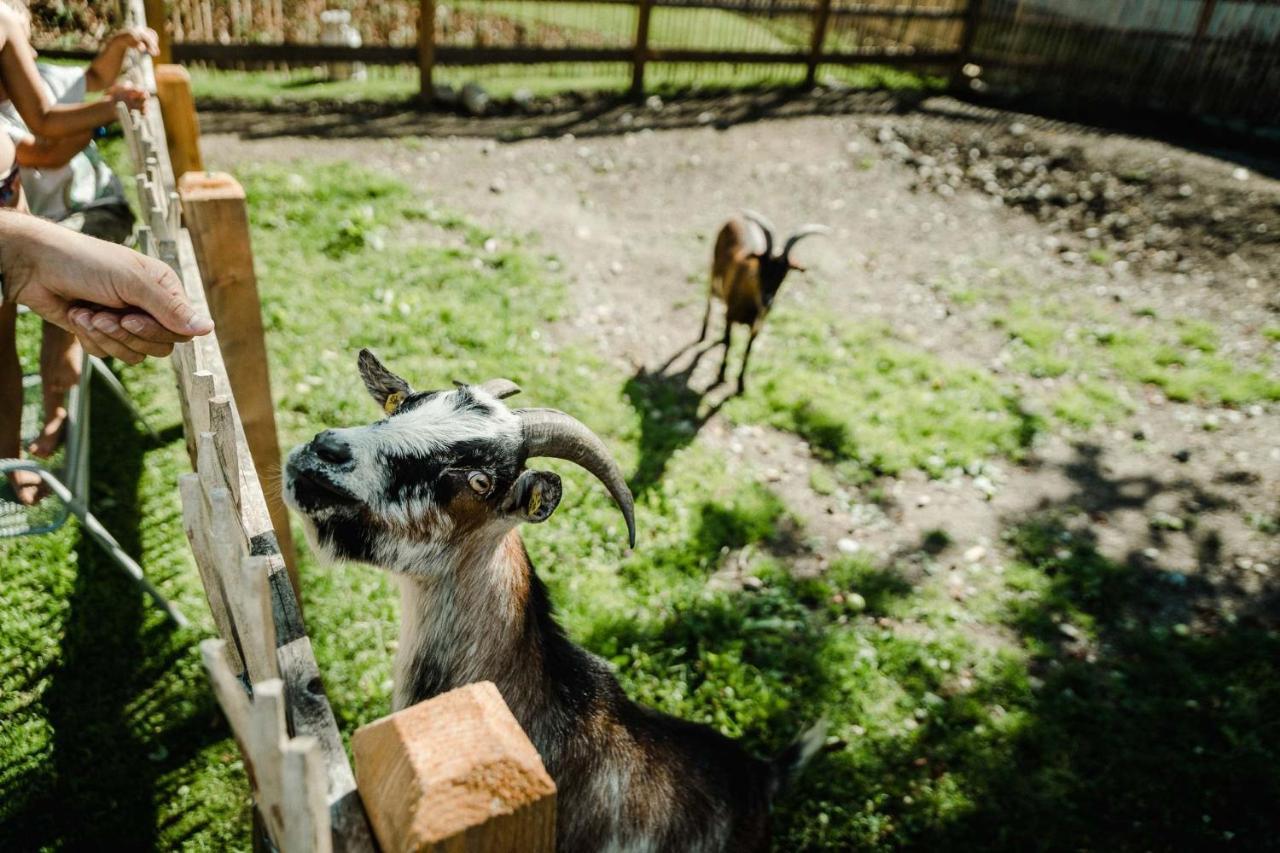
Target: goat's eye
(480,482)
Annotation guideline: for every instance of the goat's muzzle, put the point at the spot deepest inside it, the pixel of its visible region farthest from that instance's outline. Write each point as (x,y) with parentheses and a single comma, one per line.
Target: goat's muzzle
(308,483)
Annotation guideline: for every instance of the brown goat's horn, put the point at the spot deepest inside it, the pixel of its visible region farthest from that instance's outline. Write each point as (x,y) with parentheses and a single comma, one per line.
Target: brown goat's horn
(766,226)
(805,231)
(500,388)
(552,433)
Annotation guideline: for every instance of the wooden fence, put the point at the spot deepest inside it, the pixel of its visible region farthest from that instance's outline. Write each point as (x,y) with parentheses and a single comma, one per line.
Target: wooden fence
(796,35)
(1191,57)
(454,772)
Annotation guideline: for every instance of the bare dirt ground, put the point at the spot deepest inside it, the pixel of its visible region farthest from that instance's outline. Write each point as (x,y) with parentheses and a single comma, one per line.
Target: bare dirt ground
(938,193)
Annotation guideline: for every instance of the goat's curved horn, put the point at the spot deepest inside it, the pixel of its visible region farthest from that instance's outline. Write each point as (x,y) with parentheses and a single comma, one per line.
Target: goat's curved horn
(805,231)
(500,388)
(765,225)
(549,432)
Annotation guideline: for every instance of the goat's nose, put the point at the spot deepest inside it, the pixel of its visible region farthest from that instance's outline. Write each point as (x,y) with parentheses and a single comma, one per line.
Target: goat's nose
(332,449)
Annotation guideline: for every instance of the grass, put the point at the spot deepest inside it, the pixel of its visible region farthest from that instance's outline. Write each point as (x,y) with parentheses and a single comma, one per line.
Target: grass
(584,24)
(963,714)
(860,396)
(400,84)
(1049,338)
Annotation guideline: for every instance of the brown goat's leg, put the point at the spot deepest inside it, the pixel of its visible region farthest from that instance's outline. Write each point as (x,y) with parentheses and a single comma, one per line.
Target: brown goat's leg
(706,320)
(746,356)
(724,362)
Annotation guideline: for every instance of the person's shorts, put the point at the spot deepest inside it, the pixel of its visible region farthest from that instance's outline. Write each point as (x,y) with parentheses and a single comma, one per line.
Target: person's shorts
(112,221)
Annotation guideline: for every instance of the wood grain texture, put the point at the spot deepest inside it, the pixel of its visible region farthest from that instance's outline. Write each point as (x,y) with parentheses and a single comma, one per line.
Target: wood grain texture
(181,125)
(311,716)
(217,218)
(455,773)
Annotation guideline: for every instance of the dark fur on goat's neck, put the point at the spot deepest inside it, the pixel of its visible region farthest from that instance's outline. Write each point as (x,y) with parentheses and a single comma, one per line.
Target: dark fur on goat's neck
(625,774)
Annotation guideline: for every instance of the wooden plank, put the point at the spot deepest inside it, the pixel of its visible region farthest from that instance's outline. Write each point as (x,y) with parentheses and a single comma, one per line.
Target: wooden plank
(266,743)
(181,125)
(156,19)
(455,772)
(230,55)
(821,16)
(222,423)
(426,48)
(231,696)
(218,221)
(253,616)
(311,716)
(644,13)
(306,815)
(212,476)
(195,523)
(972,20)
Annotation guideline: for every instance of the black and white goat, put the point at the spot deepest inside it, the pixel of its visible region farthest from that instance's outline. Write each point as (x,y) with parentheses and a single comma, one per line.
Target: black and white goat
(746,276)
(433,493)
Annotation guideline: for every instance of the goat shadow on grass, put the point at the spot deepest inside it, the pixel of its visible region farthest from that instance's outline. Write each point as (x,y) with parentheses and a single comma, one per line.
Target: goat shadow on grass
(119,702)
(671,410)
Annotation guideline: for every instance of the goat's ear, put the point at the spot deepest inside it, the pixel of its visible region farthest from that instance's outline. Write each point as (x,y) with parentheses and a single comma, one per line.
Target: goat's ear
(534,496)
(383,385)
(796,266)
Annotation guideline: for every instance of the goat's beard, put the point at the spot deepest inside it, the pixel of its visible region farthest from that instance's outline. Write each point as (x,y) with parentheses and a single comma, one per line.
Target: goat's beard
(324,553)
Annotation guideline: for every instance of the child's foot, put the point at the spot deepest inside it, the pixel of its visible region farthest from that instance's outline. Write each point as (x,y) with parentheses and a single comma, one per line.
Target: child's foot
(27,487)
(50,438)
(60,359)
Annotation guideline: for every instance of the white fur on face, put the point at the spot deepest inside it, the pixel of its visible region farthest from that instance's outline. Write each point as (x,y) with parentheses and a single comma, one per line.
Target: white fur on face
(425,431)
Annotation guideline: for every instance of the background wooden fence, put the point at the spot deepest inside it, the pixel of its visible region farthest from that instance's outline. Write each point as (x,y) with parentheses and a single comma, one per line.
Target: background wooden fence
(1217,57)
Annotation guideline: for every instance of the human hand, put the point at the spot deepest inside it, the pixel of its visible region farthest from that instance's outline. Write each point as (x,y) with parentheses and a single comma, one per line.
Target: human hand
(117,301)
(138,38)
(129,95)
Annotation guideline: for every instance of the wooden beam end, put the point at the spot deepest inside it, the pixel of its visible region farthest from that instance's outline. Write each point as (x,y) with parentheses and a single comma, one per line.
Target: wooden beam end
(212,186)
(455,768)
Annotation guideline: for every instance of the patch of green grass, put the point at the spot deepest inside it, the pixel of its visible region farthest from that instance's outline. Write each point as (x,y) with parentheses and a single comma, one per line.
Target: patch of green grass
(1084,404)
(962,714)
(1198,335)
(1180,357)
(1271,333)
(856,393)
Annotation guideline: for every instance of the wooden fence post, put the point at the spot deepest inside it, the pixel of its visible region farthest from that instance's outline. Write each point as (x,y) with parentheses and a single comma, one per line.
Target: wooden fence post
(972,18)
(821,15)
(181,126)
(213,204)
(426,49)
(159,21)
(455,773)
(643,12)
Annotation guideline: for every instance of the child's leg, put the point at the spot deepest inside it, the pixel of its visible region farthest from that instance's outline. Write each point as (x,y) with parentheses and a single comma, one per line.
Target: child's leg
(60,358)
(60,353)
(26,485)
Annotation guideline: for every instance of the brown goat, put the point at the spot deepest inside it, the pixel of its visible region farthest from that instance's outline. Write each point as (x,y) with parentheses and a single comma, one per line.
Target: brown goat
(746,277)
(433,492)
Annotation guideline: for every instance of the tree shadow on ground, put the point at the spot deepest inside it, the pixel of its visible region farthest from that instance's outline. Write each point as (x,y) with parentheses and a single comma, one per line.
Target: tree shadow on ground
(583,115)
(1131,709)
(607,114)
(671,410)
(117,702)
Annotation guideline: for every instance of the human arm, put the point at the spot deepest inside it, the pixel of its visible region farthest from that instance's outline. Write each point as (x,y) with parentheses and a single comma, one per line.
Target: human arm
(117,301)
(24,87)
(45,153)
(105,68)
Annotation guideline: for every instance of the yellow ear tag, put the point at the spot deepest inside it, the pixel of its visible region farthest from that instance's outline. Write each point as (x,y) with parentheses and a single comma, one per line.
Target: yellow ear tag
(535,502)
(394,399)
